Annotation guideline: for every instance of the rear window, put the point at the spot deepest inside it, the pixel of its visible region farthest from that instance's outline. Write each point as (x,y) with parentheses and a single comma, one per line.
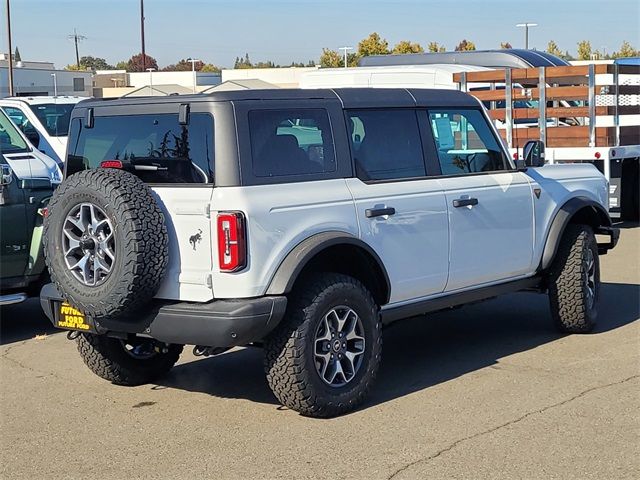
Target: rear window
(54,117)
(154,147)
(291,142)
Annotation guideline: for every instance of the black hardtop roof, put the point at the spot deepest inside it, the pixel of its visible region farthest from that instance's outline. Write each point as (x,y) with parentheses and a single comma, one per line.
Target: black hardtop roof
(349,97)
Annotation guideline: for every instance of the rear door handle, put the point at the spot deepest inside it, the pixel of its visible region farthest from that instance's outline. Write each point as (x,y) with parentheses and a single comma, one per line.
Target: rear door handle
(465,202)
(378,212)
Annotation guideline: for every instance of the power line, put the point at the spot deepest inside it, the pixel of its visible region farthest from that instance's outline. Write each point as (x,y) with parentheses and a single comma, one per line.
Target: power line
(77,38)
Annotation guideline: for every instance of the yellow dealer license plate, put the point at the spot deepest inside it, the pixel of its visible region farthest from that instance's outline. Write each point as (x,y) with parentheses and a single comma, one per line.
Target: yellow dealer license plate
(72,319)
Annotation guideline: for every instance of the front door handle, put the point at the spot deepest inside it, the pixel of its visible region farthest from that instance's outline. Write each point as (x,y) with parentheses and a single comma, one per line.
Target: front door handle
(465,202)
(378,212)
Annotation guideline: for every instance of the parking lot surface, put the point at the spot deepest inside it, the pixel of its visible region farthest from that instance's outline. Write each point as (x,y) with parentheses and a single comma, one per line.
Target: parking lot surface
(485,391)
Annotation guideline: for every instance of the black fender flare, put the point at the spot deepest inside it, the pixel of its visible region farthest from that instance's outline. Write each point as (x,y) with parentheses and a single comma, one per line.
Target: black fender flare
(562,219)
(289,269)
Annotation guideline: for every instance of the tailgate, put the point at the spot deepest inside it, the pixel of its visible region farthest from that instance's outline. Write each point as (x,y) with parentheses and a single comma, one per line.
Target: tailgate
(186,210)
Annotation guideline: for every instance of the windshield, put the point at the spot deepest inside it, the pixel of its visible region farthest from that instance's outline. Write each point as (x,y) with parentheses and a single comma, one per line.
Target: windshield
(55,117)
(11,141)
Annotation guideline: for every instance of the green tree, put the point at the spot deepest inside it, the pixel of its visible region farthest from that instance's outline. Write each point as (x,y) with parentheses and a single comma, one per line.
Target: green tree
(553,49)
(373,45)
(184,65)
(16,56)
(406,46)
(626,50)
(330,59)
(465,46)
(434,47)
(210,67)
(122,65)
(90,63)
(505,45)
(584,50)
(243,62)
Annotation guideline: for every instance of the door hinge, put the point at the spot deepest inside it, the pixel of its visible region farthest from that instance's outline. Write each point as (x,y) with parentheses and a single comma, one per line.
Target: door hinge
(207,210)
(209,281)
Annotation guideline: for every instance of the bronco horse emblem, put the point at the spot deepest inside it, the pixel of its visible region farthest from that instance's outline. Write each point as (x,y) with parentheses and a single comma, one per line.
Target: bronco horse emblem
(195,239)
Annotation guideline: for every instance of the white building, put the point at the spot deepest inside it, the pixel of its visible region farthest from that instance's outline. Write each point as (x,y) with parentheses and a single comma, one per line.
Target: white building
(116,83)
(41,78)
(285,77)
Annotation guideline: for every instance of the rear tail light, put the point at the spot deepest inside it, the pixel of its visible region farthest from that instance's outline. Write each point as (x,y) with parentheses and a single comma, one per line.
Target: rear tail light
(232,246)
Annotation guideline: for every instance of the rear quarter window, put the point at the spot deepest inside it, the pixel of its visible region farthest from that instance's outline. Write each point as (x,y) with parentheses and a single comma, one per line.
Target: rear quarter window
(291,142)
(154,147)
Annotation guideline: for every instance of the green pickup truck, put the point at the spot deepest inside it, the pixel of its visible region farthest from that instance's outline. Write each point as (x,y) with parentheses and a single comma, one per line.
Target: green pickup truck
(27,181)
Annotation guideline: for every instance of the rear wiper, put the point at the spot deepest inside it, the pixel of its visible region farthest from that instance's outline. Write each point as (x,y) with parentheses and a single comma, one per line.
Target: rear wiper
(149,168)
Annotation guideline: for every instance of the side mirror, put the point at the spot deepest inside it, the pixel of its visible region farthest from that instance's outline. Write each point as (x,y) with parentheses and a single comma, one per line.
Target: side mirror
(533,153)
(33,136)
(6,175)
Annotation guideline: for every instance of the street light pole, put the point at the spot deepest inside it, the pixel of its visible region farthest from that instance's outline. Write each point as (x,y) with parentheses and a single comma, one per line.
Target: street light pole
(55,85)
(526,26)
(193,71)
(345,50)
(150,70)
(10,52)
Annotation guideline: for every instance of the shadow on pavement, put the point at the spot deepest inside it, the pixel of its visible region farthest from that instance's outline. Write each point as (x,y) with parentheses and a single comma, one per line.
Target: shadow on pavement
(23,321)
(423,351)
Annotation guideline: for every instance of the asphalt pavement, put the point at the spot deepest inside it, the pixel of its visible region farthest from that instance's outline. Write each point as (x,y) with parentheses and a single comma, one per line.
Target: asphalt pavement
(485,391)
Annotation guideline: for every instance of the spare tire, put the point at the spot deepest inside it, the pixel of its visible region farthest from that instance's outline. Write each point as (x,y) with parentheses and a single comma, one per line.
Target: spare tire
(105,242)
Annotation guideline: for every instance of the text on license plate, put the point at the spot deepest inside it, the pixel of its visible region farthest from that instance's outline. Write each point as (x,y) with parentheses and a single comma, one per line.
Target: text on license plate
(72,318)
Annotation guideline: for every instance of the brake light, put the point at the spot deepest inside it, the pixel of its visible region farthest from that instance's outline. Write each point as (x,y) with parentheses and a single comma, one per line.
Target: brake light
(111,164)
(232,247)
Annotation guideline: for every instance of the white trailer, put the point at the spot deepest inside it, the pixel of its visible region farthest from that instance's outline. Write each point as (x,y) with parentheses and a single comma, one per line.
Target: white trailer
(587,113)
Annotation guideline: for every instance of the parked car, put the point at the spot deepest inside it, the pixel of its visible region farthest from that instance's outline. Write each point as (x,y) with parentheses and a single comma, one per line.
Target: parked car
(44,120)
(27,180)
(304,221)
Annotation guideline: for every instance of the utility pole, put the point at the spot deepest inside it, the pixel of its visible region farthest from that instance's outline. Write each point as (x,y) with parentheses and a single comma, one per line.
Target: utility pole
(10,54)
(526,26)
(77,38)
(144,57)
(345,50)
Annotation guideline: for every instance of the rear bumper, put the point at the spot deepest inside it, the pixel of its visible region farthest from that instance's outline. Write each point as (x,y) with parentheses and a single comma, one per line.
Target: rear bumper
(220,323)
(613,234)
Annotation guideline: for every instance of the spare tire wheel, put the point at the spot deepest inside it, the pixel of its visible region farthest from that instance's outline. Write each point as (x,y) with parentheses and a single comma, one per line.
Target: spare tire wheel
(105,242)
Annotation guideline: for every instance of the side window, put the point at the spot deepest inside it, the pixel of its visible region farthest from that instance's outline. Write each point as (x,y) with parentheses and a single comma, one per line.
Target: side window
(385,144)
(18,117)
(154,147)
(291,142)
(465,143)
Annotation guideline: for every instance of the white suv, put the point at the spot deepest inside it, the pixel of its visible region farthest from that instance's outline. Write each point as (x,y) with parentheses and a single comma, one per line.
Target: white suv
(303,221)
(44,120)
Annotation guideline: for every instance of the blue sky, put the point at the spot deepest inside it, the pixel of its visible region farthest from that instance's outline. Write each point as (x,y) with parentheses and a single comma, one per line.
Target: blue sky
(285,30)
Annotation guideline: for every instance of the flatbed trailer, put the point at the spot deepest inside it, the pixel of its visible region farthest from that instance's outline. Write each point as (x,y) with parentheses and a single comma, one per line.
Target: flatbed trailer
(587,113)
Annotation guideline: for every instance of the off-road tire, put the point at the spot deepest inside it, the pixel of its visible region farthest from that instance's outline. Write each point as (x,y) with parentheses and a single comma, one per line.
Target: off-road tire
(107,358)
(140,237)
(289,350)
(567,287)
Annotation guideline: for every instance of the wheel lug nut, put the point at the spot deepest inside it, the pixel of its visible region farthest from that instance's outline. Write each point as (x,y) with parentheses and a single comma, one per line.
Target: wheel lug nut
(340,355)
(344,345)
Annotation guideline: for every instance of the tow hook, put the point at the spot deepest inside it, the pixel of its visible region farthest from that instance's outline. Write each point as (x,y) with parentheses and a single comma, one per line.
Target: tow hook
(73,334)
(202,351)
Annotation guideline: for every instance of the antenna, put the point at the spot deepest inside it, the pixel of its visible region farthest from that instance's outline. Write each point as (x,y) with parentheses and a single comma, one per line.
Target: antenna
(77,38)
